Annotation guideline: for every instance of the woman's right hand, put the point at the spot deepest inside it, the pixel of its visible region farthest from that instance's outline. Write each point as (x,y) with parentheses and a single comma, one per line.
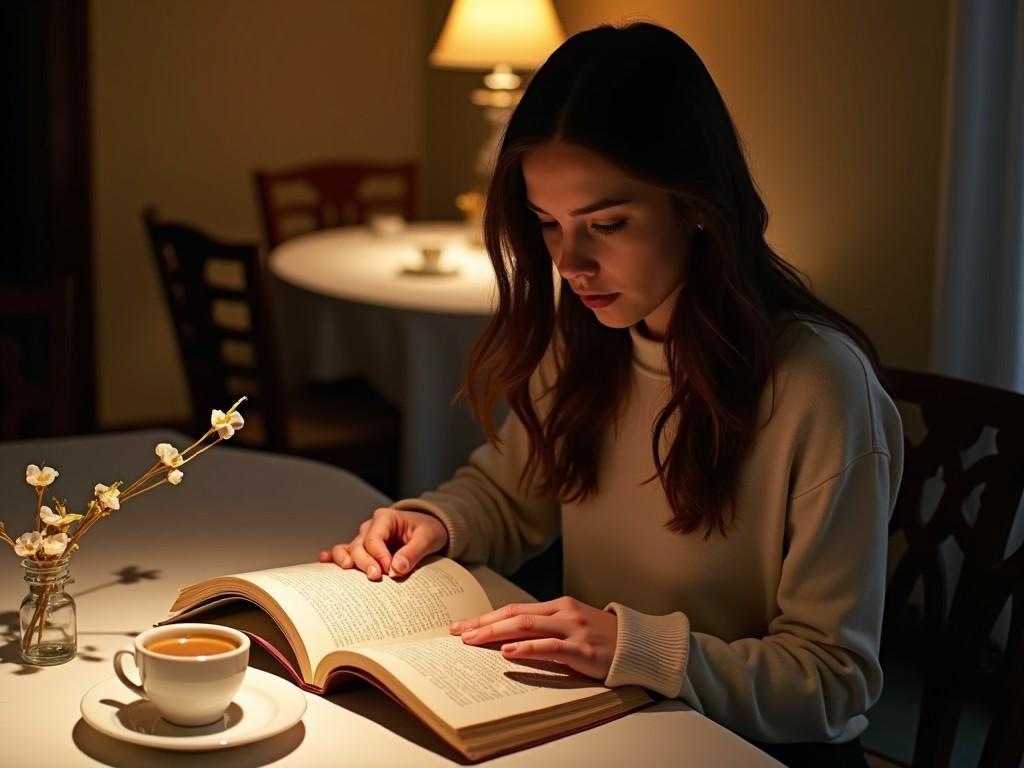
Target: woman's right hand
(392,540)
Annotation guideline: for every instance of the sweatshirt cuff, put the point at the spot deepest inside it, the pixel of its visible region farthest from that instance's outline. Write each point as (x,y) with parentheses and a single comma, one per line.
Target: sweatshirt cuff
(650,651)
(455,526)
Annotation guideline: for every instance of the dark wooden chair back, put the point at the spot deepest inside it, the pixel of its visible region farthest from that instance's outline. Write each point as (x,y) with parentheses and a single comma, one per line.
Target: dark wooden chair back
(323,195)
(961,489)
(35,356)
(218,300)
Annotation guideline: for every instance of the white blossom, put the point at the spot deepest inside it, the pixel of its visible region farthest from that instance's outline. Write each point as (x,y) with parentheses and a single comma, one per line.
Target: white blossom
(55,544)
(107,496)
(40,478)
(226,423)
(169,455)
(49,517)
(28,544)
(174,476)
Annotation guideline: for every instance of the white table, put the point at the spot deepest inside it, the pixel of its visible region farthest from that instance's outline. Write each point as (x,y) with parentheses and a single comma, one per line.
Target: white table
(346,307)
(128,571)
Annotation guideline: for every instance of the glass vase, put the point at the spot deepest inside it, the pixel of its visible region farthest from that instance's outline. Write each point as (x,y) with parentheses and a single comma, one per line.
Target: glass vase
(49,624)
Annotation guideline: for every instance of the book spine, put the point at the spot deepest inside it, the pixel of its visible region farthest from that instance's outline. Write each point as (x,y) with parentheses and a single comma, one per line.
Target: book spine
(283,661)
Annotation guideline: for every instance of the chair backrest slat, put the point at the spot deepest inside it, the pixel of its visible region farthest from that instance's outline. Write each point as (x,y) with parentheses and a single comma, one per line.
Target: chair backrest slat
(187,259)
(333,194)
(973,447)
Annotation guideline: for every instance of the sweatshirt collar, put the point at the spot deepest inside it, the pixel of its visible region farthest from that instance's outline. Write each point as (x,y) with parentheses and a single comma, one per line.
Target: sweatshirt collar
(648,355)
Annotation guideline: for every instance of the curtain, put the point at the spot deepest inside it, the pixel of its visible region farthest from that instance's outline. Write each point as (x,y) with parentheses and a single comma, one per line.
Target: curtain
(979,292)
(979,289)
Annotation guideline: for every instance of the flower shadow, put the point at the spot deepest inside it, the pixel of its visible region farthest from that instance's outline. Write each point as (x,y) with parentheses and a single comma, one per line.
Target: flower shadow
(130,574)
(10,644)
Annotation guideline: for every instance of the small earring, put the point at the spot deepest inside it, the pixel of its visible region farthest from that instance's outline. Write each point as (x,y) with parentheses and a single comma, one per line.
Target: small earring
(700,225)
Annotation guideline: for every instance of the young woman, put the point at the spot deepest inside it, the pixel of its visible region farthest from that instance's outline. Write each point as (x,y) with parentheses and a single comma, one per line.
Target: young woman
(711,441)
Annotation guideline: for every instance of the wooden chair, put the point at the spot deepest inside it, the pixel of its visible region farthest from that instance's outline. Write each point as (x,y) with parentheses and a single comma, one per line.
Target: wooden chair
(323,195)
(961,490)
(219,304)
(35,355)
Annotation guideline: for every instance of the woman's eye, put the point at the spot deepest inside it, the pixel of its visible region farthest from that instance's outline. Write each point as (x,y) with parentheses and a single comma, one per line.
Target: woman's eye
(609,229)
(604,229)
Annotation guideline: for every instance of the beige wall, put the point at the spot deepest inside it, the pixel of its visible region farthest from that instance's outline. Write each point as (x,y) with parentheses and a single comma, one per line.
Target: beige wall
(840,105)
(188,97)
(453,128)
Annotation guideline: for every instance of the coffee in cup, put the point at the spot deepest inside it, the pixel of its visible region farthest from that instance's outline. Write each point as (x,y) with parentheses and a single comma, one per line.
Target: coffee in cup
(192,645)
(190,672)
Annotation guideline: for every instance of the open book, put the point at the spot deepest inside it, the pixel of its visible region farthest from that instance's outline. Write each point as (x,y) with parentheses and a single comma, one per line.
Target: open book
(326,625)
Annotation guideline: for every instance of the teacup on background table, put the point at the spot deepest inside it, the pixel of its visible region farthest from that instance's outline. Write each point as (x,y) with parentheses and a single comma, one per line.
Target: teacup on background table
(387,223)
(190,672)
(431,259)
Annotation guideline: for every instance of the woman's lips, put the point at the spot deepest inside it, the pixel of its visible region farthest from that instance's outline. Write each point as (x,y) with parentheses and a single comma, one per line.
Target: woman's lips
(598,300)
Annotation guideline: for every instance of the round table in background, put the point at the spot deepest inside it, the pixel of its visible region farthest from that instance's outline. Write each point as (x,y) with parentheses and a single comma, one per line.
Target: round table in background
(350,301)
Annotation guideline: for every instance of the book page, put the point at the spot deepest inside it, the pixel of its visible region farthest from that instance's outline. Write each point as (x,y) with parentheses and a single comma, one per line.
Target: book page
(334,608)
(467,684)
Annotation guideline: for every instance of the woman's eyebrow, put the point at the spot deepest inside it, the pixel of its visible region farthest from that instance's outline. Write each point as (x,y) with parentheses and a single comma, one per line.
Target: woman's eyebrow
(596,206)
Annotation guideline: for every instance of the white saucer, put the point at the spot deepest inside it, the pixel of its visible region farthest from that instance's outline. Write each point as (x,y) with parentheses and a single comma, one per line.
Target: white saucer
(265,706)
(430,271)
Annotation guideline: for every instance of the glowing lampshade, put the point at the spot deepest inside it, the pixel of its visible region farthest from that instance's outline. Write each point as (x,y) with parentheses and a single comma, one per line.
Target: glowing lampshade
(479,34)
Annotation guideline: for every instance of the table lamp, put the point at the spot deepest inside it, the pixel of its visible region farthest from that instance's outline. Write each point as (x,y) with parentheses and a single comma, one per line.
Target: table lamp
(499,36)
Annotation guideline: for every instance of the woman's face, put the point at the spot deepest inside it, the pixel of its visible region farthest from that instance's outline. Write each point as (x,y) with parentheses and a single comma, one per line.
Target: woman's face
(618,242)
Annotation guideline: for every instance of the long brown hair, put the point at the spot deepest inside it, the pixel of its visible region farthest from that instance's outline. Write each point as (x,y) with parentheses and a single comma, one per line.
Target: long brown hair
(641,98)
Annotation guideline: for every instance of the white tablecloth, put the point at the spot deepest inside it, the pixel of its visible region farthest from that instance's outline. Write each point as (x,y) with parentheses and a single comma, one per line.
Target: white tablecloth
(346,307)
(236,511)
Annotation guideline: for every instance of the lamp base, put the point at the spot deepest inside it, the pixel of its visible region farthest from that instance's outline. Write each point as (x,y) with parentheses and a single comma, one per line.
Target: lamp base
(498,99)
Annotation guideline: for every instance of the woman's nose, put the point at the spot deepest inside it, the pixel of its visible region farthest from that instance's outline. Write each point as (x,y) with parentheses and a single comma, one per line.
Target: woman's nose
(575,258)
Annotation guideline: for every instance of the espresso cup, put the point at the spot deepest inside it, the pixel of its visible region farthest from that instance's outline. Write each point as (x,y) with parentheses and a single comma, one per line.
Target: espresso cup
(387,223)
(190,672)
(431,258)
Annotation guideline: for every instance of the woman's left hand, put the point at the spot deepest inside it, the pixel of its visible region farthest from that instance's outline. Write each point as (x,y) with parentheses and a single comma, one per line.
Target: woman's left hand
(564,630)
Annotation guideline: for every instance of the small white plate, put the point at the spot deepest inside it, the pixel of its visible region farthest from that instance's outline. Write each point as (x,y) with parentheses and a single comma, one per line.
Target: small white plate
(265,706)
(438,271)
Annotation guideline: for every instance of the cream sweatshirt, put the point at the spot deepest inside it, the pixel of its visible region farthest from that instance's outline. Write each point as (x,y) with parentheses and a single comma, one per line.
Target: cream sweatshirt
(772,631)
